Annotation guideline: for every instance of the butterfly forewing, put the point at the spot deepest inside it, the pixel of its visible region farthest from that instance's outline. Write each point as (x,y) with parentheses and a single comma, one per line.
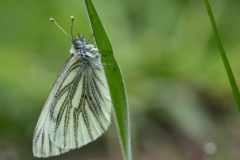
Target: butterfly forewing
(77,110)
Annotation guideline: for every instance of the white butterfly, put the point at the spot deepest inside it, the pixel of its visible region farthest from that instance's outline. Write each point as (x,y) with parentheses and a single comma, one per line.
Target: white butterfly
(78,108)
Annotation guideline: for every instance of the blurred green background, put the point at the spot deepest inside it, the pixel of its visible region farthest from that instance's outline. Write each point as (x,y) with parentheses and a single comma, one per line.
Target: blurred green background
(180,100)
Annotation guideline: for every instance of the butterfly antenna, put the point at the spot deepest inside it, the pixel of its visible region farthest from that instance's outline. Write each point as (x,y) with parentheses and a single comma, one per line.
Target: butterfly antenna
(51,19)
(72,18)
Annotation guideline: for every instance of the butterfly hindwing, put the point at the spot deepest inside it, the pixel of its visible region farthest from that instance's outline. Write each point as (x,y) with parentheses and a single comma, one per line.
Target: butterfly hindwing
(77,111)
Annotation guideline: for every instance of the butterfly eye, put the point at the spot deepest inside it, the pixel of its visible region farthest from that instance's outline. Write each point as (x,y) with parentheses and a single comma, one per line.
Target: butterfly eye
(78,43)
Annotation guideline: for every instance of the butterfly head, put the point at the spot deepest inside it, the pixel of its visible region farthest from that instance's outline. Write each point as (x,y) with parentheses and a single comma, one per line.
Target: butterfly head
(78,42)
(80,47)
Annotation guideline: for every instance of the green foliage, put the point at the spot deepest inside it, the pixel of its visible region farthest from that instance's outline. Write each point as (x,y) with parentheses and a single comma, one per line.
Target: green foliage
(224,56)
(114,79)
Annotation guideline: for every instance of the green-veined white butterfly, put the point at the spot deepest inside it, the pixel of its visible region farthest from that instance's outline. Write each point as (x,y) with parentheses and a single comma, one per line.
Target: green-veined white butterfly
(78,108)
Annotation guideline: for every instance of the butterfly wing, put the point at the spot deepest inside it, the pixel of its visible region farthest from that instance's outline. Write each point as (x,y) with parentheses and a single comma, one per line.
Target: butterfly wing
(77,110)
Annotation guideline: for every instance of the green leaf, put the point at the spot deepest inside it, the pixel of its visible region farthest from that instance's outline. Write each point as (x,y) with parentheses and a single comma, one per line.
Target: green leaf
(223,55)
(114,79)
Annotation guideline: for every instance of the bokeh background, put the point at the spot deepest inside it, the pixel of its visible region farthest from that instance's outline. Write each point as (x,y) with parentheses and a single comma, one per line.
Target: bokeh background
(180,100)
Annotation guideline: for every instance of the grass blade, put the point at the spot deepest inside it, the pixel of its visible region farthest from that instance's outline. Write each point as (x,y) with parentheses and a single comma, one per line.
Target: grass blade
(223,55)
(115,81)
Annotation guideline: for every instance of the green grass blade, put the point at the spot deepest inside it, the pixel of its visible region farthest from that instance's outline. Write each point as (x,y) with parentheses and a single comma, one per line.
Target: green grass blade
(115,81)
(223,55)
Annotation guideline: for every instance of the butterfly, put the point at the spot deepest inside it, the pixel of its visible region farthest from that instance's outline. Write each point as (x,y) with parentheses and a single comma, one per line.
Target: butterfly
(78,108)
